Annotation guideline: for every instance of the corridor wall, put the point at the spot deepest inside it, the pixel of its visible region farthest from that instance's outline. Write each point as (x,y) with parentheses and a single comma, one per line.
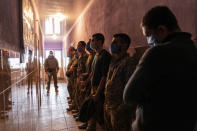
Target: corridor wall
(115,16)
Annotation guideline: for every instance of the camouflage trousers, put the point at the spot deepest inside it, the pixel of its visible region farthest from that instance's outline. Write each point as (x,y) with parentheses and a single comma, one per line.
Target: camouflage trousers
(117,119)
(81,93)
(98,117)
(70,87)
(78,100)
(54,75)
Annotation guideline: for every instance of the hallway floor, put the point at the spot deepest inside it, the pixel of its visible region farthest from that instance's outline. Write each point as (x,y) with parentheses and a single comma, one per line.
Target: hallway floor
(27,115)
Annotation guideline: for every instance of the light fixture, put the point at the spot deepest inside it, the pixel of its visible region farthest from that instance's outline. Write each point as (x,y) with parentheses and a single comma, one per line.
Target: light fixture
(59,16)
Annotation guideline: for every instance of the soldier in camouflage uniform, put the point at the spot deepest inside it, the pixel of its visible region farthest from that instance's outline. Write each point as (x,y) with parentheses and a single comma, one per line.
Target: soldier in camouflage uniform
(87,87)
(97,77)
(69,74)
(117,114)
(81,68)
(72,74)
(51,68)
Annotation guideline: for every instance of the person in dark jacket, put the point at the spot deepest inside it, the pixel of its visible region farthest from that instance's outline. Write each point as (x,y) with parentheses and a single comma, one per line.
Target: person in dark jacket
(164,83)
(51,68)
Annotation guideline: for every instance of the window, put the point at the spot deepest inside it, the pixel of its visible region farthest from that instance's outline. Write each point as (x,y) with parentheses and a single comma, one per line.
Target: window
(56,26)
(53,26)
(49,26)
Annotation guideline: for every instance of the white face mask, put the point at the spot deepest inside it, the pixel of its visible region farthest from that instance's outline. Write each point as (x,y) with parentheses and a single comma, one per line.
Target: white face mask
(152,41)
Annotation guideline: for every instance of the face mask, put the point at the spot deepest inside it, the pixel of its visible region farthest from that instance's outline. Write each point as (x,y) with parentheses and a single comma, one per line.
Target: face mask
(76,56)
(88,48)
(93,46)
(79,49)
(69,55)
(114,49)
(152,41)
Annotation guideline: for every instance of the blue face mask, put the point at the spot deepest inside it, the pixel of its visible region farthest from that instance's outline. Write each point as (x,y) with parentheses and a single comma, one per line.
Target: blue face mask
(69,55)
(76,56)
(114,49)
(152,41)
(88,48)
(79,49)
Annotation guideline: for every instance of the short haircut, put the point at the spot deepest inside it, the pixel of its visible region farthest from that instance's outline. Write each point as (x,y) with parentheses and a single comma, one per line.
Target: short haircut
(124,38)
(160,15)
(99,36)
(71,48)
(82,43)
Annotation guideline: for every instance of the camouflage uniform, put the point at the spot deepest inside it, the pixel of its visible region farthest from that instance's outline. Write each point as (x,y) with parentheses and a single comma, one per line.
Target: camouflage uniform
(117,114)
(100,66)
(85,91)
(81,68)
(51,66)
(70,76)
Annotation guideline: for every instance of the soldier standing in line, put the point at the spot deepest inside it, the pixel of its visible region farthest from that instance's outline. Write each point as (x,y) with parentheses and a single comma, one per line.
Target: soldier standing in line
(85,89)
(97,77)
(69,75)
(72,74)
(81,68)
(118,115)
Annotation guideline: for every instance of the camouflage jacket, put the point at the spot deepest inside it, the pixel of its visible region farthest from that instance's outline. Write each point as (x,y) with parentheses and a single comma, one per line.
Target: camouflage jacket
(81,68)
(119,73)
(51,63)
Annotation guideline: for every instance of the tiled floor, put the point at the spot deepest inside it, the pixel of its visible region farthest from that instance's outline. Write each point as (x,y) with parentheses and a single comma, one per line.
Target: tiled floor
(49,115)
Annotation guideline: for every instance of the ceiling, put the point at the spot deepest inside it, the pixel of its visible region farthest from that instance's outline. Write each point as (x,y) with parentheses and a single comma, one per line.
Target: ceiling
(70,8)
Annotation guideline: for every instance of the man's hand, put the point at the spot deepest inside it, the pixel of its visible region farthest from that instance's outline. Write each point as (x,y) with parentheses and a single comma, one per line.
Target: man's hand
(47,73)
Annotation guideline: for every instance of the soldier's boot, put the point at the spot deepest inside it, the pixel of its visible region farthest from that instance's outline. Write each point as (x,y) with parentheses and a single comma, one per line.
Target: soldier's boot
(48,89)
(56,88)
(91,125)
